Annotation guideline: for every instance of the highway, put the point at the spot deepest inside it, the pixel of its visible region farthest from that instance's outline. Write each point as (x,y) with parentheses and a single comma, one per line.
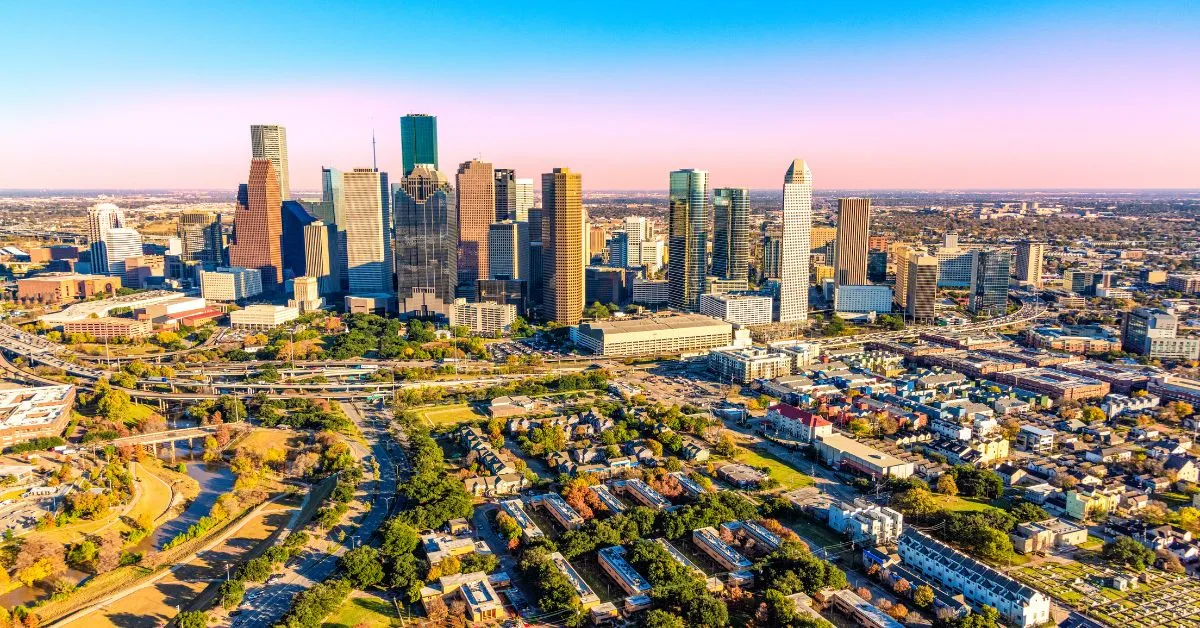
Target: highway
(266,605)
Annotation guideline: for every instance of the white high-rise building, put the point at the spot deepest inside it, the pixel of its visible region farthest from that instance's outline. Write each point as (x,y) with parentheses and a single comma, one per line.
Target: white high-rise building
(120,244)
(796,234)
(508,250)
(523,195)
(269,141)
(101,219)
(367,248)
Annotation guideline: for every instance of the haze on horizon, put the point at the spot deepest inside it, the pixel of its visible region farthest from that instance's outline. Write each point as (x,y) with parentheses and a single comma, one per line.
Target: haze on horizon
(880,96)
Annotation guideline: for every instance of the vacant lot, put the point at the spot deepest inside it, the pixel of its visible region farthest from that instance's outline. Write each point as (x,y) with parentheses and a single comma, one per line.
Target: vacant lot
(450,415)
(789,478)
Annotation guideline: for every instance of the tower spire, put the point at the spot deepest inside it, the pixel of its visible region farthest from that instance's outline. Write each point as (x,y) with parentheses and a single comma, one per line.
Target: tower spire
(374,161)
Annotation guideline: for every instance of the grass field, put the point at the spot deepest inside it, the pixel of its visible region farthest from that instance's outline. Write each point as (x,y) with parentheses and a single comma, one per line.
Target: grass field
(261,440)
(961,504)
(450,415)
(789,478)
(363,609)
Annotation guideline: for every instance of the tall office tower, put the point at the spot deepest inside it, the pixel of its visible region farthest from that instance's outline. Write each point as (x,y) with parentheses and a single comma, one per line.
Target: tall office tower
(989,282)
(853,235)
(688,206)
(900,288)
(921,286)
(877,263)
(508,250)
(418,141)
(562,258)
(332,211)
(597,241)
(1029,262)
(476,183)
(318,259)
(366,237)
(772,256)
(536,259)
(294,218)
(954,263)
(200,237)
(269,141)
(120,244)
(101,218)
(426,242)
(506,198)
(731,233)
(258,225)
(618,249)
(637,236)
(795,245)
(522,200)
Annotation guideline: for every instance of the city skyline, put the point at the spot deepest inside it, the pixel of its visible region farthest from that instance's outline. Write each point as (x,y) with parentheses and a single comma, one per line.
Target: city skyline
(944,97)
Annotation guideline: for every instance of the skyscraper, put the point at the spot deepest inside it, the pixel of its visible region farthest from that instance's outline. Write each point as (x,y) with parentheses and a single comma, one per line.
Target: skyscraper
(102,218)
(294,218)
(795,243)
(688,239)
(522,199)
(200,236)
(476,182)
(418,139)
(258,226)
(120,244)
(318,260)
(269,141)
(426,242)
(332,211)
(731,231)
(508,250)
(562,235)
(506,195)
(1029,262)
(989,282)
(366,239)
(921,291)
(853,235)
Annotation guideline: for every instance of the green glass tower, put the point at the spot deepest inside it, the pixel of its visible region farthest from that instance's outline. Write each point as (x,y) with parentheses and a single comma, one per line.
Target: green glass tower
(418,140)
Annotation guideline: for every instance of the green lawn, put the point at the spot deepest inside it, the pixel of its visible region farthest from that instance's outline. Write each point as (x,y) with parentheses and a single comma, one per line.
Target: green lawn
(961,504)
(449,415)
(368,610)
(789,478)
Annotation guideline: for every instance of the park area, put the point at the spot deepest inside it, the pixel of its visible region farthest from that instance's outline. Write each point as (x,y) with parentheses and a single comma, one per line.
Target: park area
(363,610)
(789,478)
(441,417)
(1155,598)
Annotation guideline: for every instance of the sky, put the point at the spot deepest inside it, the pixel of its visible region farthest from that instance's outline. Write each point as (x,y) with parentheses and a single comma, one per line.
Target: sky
(874,95)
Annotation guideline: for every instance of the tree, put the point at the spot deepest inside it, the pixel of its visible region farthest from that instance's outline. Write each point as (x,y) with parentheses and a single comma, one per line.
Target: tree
(1124,550)
(191,619)
(212,451)
(898,612)
(1092,414)
(1027,511)
(658,618)
(923,596)
(231,593)
(946,485)
(363,567)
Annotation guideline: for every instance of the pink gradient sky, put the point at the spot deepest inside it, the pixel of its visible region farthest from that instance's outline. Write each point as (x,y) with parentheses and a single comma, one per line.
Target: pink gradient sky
(1008,98)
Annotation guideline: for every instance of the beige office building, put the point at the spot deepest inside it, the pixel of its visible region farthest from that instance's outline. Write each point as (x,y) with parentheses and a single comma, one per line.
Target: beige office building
(269,141)
(853,237)
(921,275)
(562,234)
(476,182)
(368,260)
(1028,270)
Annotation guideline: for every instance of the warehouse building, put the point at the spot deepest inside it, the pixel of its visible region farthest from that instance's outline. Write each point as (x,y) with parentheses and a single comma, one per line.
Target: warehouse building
(658,335)
(842,452)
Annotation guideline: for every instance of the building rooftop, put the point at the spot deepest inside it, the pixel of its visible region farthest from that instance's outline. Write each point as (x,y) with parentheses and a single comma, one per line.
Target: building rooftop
(38,405)
(91,309)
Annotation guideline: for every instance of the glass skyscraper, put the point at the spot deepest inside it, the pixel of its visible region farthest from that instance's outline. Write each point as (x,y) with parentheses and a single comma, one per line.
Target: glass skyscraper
(418,140)
(989,282)
(731,230)
(426,220)
(688,239)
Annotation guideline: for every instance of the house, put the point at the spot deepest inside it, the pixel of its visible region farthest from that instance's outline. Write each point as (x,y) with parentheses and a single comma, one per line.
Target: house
(1011,473)
(496,485)
(695,450)
(741,476)
(1109,454)
(1083,503)
(1184,468)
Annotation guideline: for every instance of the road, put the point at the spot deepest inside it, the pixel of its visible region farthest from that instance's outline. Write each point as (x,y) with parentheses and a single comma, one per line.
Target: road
(266,605)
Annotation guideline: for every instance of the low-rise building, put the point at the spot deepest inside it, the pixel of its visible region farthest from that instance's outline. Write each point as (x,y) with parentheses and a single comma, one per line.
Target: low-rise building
(483,319)
(656,335)
(739,309)
(1035,439)
(261,317)
(53,288)
(1175,388)
(34,412)
(842,452)
(1084,502)
(515,509)
(559,509)
(641,492)
(587,597)
(1018,604)
(865,522)
(746,365)
(612,561)
(741,476)
(711,544)
(1115,404)
(231,284)
(1042,536)
(110,327)
(475,589)
(793,423)
(1057,384)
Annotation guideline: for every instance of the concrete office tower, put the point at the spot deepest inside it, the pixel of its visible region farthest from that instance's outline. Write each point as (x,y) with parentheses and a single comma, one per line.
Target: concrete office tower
(562,258)
(366,239)
(989,282)
(332,211)
(508,250)
(418,140)
(618,249)
(318,259)
(597,241)
(269,141)
(120,244)
(853,235)
(772,257)
(426,222)
(822,236)
(102,218)
(506,194)
(921,277)
(476,183)
(795,244)
(200,238)
(900,253)
(1030,255)
(585,238)
(258,226)
(522,200)
(731,233)
(688,237)
(637,237)
(294,217)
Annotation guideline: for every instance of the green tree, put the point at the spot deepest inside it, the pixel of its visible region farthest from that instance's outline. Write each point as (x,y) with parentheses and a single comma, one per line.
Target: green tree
(362,567)
(946,485)
(923,596)
(231,593)
(192,619)
(658,618)
(1123,550)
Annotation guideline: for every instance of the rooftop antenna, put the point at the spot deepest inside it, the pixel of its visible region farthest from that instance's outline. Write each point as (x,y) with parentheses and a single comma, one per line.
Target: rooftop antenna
(374,161)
